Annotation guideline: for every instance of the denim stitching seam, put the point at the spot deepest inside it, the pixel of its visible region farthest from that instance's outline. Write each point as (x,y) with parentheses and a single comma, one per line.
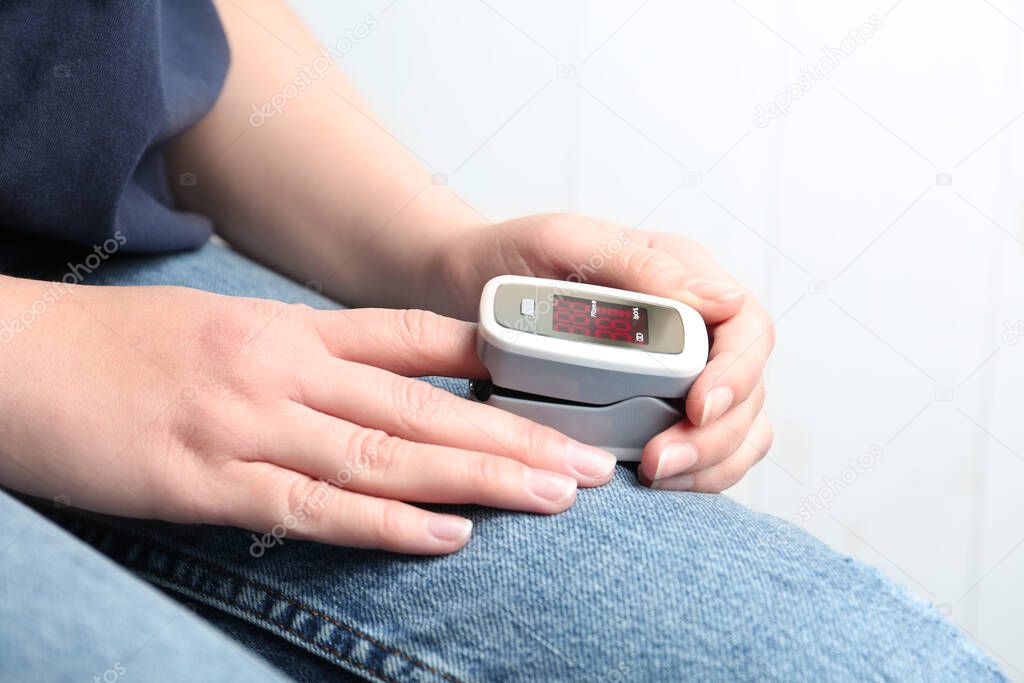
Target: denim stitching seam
(175,554)
(273,592)
(157,578)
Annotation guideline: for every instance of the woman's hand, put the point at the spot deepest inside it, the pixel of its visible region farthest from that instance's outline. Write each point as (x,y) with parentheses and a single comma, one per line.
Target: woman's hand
(727,431)
(180,405)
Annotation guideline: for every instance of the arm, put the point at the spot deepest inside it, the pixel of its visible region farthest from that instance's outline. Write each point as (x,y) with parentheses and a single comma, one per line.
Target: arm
(320,191)
(176,404)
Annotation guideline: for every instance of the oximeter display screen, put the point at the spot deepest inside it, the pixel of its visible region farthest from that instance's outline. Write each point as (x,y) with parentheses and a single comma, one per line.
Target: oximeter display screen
(600,319)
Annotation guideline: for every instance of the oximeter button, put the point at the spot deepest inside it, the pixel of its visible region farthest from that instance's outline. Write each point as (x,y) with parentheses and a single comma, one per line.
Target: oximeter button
(528,307)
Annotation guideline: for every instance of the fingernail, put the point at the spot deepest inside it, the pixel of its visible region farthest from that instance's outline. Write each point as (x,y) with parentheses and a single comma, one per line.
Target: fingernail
(590,462)
(715,291)
(680,482)
(551,486)
(449,528)
(718,401)
(675,458)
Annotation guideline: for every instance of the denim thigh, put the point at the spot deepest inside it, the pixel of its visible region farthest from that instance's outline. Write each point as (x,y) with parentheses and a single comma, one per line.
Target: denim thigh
(67,613)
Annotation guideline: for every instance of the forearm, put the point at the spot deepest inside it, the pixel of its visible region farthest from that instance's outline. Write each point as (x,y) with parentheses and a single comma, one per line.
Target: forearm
(319,191)
(38,324)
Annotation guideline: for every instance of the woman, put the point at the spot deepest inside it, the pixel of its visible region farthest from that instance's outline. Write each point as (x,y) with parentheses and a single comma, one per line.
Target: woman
(250,415)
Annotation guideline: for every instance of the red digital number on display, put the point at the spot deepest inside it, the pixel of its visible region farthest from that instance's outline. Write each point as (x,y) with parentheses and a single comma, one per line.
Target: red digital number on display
(591,318)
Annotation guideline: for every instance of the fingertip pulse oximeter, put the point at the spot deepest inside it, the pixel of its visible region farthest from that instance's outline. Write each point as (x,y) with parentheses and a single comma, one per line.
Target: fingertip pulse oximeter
(604,366)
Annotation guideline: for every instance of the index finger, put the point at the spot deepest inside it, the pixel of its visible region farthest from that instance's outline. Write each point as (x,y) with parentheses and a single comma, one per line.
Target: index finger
(409,342)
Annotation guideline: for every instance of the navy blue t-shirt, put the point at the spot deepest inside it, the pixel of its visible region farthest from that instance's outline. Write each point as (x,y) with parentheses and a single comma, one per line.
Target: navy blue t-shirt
(90,91)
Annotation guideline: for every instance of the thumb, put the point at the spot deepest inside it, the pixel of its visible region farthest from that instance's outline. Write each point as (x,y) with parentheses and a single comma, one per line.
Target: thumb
(644,269)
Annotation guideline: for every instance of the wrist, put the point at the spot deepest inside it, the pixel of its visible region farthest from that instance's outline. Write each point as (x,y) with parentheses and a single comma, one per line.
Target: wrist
(424,253)
(376,255)
(448,274)
(25,303)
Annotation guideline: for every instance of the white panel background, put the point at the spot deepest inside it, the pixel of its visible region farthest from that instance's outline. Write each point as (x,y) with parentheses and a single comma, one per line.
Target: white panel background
(892,292)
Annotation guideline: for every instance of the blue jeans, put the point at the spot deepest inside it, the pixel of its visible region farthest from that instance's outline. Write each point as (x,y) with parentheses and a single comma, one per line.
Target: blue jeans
(628,584)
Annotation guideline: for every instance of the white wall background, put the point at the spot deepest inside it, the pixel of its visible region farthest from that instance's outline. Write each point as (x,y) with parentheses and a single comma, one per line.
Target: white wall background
(893,292)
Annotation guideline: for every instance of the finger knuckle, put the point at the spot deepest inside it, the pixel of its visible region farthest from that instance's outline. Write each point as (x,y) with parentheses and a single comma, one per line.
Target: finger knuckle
(542,440)
(724,365)
(729,478)
(204,500)
(421,329)
(724,476)
(555,225)
(651,265)
(710,483)
(488,473)
(722,443)
(303,506)
(366,445)
(550,228)
(415,400)
(389,524)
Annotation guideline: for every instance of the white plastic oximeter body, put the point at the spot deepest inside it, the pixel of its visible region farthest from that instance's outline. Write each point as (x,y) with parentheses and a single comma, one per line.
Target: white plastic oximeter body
(604,366)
